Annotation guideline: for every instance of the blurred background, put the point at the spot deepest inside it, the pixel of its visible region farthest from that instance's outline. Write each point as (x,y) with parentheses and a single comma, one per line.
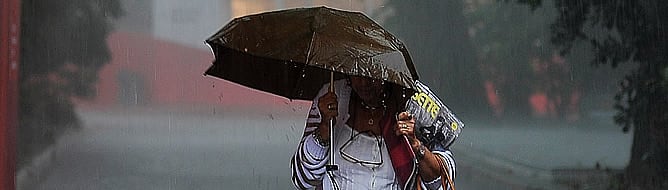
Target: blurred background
(110,94)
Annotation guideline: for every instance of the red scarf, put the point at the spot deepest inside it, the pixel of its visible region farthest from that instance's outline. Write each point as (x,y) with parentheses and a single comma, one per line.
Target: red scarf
(401,153)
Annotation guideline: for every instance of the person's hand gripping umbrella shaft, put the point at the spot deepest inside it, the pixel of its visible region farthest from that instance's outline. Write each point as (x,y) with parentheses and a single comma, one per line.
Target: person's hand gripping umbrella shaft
(328,106)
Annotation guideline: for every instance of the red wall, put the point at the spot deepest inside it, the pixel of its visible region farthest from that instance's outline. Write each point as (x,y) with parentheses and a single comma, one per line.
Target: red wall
(9,69)
(172,75)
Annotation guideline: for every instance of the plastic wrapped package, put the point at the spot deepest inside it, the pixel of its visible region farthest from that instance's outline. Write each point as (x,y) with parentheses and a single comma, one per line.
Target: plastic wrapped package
(434,121)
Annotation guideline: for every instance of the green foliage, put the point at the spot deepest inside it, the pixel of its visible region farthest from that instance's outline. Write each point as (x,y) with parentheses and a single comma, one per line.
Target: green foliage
(516,54)
(534,4)
(67,39)
(621,31)
(508,37)
(628,32)
(63,47)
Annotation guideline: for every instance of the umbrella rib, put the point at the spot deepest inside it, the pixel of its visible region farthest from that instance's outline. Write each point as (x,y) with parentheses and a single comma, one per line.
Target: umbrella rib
(306,63)
(310,46)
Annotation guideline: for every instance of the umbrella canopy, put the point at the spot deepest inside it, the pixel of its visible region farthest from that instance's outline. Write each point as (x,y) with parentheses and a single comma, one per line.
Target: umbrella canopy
(291,52)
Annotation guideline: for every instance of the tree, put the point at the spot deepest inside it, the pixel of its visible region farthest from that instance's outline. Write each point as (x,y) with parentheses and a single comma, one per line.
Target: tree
(627,32)
(435,33)
(63,47)
(528,76)
(507,38)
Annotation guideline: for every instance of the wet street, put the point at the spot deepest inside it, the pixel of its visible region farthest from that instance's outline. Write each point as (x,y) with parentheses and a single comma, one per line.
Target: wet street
(174,151)
(168,150)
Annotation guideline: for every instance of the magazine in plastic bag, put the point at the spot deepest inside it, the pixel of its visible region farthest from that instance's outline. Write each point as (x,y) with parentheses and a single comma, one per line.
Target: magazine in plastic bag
(435,122)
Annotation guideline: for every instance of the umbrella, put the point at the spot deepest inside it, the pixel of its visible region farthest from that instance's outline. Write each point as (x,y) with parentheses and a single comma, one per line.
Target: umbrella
(291,52)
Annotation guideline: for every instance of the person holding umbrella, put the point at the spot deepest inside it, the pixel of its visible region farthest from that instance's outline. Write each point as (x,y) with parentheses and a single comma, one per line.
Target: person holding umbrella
(370,142)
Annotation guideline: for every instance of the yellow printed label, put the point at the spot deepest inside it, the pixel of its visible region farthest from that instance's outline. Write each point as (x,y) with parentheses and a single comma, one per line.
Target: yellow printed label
(426,103)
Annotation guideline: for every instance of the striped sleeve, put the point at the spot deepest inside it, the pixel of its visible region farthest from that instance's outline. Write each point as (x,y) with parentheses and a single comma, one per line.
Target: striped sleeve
(308,162)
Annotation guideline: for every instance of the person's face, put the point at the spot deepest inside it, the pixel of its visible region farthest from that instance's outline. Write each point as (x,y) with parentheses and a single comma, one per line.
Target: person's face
(368,89)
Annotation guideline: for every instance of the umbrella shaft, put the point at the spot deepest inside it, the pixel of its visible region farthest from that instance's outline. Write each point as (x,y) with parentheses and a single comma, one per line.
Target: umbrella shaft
(331,166)
(331,81)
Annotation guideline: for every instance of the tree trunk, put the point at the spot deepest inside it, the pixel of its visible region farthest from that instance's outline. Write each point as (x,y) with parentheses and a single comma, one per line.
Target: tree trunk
(642,166)
(648,167)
